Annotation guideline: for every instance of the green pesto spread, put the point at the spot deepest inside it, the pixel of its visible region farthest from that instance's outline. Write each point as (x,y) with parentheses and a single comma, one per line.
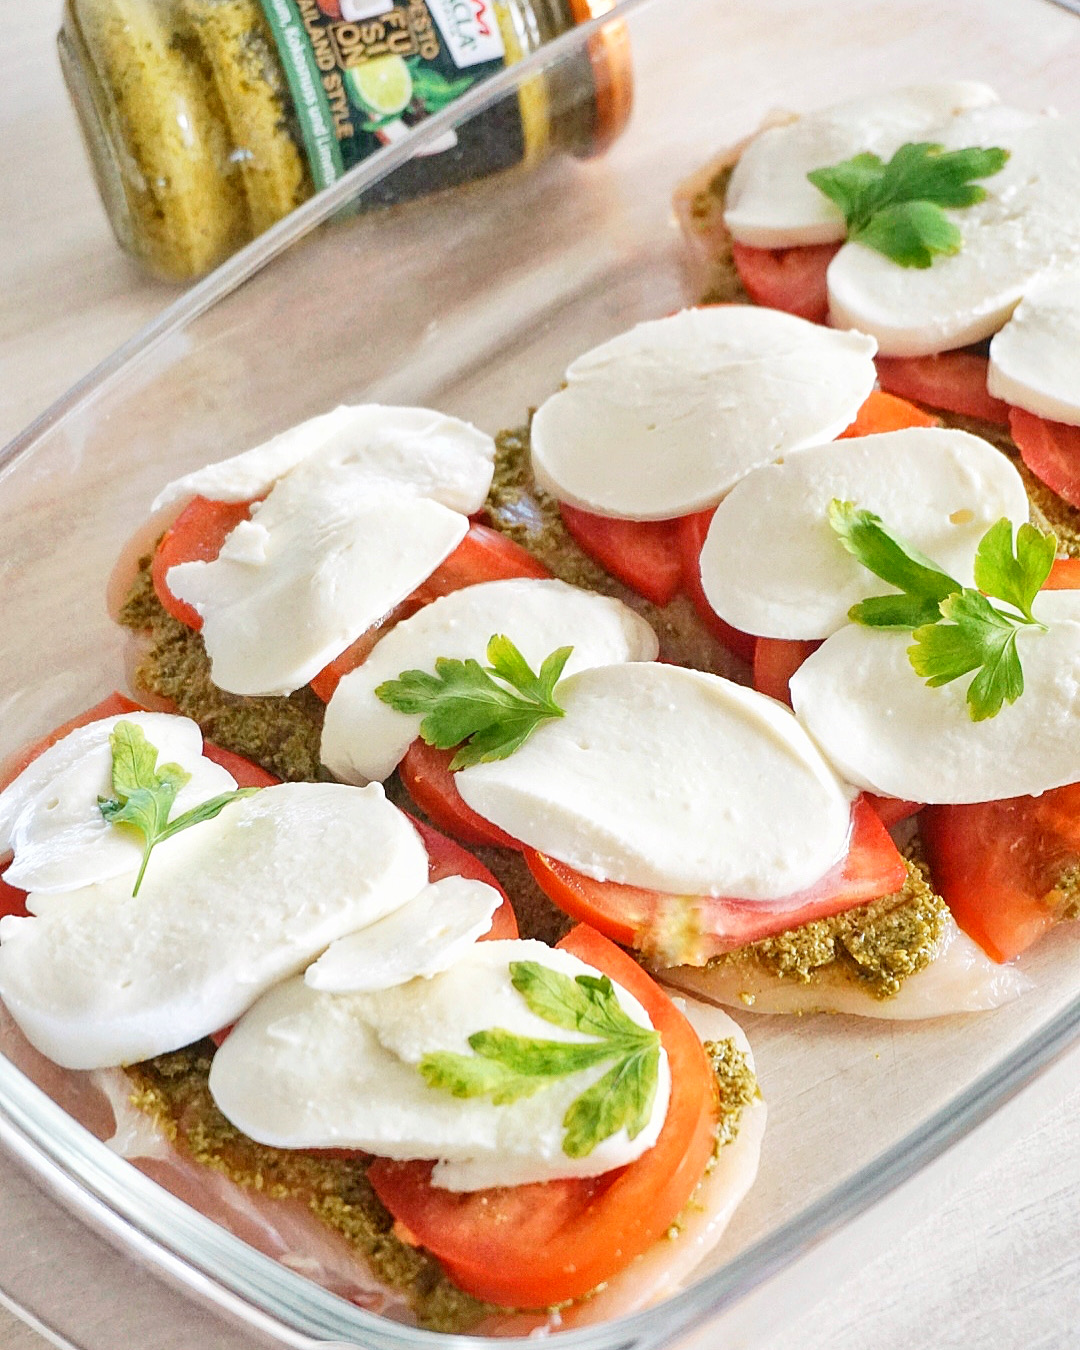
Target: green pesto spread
(281,734)
(173,1090)
(707,216)
(736,1088)
(878,945)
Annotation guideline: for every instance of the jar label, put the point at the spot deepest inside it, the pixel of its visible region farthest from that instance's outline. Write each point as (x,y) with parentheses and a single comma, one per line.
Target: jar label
(361,74)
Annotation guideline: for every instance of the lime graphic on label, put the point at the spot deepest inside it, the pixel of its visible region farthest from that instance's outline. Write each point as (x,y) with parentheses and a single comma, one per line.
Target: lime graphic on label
(384,85)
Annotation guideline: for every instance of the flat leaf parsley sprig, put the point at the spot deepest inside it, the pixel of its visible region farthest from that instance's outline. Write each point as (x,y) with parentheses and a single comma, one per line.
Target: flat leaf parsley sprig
(897,207)
(507,1067)
(956,629)
(487,711)
(145,794)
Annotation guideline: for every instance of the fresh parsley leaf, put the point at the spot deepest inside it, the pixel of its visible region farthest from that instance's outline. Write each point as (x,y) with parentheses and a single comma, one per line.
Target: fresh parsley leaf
(507,1067)
(1014,576)
(978,637)
(897,207)
(463,705)
(145,794)
(922,582)
(911,234)
(956,629)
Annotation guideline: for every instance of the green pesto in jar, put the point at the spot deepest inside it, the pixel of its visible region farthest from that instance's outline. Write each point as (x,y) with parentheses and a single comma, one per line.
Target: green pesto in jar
(206,121)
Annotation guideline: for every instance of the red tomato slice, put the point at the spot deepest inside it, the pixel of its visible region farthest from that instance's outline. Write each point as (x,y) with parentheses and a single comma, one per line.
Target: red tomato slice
(706,926)
(885,412)
(1064,575)
(775,661)
(425,771)
(691,532)
(1051,450)
(532,1246)
(997,864)
(644,554)
(955,381)
(791,279)
(12,901)
(196,535)
(892,810)
(483,555)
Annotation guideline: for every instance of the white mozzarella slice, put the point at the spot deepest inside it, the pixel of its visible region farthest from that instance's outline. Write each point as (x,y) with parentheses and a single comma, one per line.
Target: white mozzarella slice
(770,201)
(226,909)
(961,978)
(420,939)
(1028,224)
(771,564)
(665,418)
(306,1069)
(672,779)
(410,449)
(321,560)
(1035,359)
(49,814)
(884,729)
(363,739)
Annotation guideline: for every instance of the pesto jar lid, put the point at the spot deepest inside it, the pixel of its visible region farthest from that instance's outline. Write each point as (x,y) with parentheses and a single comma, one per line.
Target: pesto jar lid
(208,120)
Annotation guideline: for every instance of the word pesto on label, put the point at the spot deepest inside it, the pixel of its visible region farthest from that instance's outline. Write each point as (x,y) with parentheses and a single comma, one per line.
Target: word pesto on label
(362,73)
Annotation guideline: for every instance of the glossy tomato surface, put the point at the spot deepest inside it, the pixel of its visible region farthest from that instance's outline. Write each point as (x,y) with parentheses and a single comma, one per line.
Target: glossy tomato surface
(999,865)
(692,928)
(532,1246)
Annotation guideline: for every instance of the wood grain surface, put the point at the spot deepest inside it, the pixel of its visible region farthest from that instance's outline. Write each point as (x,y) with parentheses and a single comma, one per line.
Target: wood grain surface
(992,1266)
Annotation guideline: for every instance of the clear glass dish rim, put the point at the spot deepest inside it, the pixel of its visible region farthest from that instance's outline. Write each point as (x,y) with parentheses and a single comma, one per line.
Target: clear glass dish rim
(144,1219)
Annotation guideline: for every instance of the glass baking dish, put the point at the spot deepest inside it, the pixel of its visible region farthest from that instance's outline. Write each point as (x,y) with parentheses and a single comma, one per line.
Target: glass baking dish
(473,302)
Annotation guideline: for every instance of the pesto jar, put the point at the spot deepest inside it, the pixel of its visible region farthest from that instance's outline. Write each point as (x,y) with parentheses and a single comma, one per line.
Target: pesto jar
(208,120)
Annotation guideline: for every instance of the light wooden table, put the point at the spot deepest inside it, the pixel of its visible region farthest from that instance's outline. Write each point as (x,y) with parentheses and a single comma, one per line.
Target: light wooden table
(996,1266)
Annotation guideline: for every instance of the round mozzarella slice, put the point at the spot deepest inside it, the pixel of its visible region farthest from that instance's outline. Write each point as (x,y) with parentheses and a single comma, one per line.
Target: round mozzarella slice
(664,419)
(50,817)
(306,1069)
(674,780)
(365,739)
(321,560)
(421,938)
(770,201)
(771,563)
(886,730)
(1035,359)
(414,450)
(226,909)
(1028,223)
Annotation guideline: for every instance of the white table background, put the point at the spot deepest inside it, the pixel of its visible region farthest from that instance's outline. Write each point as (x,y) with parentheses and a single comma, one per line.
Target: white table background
(996,1266)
